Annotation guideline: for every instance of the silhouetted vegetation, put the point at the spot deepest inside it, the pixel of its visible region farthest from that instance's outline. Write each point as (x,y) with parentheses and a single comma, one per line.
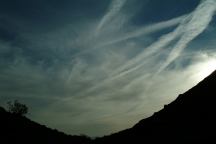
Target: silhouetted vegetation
(17,108)
(18,129)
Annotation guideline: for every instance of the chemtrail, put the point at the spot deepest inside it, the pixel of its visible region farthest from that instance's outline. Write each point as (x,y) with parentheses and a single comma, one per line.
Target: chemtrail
(150,50)
(190,27)
(199,21)
(114,8)
(145,30)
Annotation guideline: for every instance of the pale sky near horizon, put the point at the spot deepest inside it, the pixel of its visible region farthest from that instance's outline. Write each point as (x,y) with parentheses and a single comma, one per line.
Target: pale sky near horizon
(96,67)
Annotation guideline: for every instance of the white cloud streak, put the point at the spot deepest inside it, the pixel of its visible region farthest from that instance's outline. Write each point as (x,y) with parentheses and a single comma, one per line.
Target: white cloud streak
(197,23)
(143,31)
(114,8)
(189,28)
(147,30)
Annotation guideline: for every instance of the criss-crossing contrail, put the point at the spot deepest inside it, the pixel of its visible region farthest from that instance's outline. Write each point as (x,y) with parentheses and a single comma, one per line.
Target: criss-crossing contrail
(143,31)
(155,47)
(189,28)
(146,30)
(199,21)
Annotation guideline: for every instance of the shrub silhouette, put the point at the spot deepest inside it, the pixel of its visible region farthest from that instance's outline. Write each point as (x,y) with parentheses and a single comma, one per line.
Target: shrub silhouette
(17,108)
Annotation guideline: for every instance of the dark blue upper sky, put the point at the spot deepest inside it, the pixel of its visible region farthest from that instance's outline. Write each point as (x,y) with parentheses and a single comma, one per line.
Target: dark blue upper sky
(48,14)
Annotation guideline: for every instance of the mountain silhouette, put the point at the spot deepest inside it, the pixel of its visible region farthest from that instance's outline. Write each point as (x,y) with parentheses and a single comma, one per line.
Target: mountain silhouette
(16,129)
(188,119)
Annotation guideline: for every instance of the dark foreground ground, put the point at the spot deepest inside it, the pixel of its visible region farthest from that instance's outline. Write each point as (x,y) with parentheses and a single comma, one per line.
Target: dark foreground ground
(188,119)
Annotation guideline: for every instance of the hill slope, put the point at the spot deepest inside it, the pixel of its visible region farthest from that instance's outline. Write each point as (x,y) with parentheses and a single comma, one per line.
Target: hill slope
(188,119)
(19,129)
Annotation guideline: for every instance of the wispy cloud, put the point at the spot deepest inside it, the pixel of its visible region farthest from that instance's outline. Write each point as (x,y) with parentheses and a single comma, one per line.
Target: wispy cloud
(138,32)
(146,30)
(189,28)
(192,28)
(113,9)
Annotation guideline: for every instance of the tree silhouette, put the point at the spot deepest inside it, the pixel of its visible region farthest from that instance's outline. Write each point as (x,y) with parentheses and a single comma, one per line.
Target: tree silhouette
(17,108)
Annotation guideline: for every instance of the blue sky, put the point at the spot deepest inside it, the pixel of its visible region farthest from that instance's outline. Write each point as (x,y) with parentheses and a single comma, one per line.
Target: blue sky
(96,67)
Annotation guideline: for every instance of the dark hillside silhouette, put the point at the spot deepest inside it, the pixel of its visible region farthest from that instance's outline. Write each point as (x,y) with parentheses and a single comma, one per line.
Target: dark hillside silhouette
(188,119)
(20,130)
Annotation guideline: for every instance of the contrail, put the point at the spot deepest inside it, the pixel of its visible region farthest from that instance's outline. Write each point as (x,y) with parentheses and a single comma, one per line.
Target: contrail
(142,31)
(190,27)
(114,8)
(147,30)
(199,21)
(150,50)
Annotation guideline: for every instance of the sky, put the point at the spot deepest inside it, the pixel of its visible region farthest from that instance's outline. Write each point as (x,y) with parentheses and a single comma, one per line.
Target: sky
(96,67)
